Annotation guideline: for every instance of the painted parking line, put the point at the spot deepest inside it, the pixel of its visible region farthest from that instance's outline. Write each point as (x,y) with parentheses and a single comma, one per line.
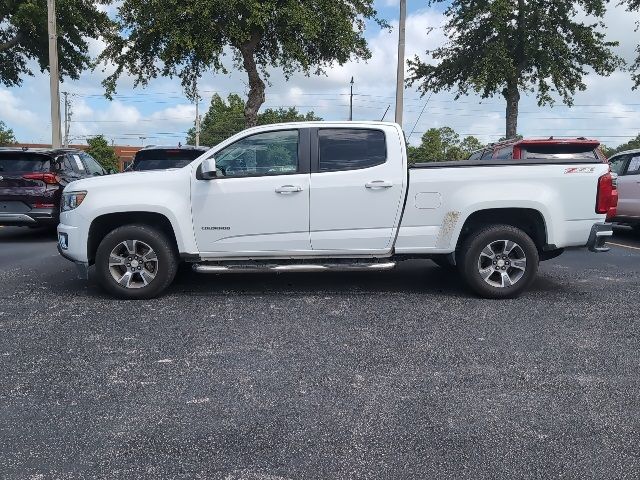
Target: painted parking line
(623,246)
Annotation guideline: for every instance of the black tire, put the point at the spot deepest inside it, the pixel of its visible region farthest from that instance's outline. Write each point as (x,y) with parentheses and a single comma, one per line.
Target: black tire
(164,266)
(471,260)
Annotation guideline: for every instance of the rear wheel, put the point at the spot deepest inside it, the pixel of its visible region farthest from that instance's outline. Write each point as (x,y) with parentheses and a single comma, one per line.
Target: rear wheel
(135,262)
(499,261)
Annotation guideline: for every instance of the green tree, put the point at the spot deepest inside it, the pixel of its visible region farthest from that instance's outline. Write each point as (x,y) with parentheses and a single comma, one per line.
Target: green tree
(512,46)
(185,38)
(6,135)
(100,149)
(443,144)
(24,37)
(630,145)
(634,5)
(224,119)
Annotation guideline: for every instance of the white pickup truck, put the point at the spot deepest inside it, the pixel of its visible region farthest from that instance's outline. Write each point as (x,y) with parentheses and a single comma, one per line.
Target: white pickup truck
(323,196)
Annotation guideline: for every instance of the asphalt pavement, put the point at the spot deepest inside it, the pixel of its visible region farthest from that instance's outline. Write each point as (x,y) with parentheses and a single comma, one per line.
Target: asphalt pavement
(399,374)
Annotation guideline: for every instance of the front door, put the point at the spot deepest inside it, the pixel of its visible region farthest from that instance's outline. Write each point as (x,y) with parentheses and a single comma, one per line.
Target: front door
(259,202)
(357,189)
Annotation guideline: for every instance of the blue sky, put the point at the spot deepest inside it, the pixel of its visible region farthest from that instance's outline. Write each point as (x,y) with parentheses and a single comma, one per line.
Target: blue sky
(160,114)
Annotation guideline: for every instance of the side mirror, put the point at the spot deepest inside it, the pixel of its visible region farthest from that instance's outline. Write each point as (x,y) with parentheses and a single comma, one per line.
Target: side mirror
(208,169)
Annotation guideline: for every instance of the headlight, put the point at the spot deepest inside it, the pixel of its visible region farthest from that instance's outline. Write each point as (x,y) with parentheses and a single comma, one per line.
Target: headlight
(72,200)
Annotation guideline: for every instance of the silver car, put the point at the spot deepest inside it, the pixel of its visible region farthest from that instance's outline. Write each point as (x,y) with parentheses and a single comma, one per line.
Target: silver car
(627,166)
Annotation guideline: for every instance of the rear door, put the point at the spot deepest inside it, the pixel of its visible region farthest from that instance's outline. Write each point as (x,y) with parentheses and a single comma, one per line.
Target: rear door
(358,183)
(22,181)
(629,187)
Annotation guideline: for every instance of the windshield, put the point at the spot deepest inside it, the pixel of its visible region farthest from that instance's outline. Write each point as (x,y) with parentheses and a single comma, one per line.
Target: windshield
(23,162)
(163,159)
(559,152)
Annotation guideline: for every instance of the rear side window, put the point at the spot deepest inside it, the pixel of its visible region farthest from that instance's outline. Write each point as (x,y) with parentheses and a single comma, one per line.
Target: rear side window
(634,165)
(350,149)
(24,162)
(505,153)
(617,164)
(164,158)
(559,152)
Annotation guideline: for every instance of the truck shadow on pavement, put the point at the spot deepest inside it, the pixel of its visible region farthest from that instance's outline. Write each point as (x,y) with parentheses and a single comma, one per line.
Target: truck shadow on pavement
(416,276)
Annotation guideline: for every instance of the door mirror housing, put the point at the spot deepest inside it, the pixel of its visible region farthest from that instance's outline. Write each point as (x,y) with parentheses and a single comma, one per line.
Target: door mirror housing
(208,169)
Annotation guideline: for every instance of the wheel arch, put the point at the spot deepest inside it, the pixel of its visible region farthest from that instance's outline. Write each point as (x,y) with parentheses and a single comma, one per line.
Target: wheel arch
(529,220)
(103,224)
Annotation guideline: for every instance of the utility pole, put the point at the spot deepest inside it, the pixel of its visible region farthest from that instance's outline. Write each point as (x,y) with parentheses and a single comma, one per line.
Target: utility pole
(54,75)
(197,119)
(67,118)
(400,73)
(351,102)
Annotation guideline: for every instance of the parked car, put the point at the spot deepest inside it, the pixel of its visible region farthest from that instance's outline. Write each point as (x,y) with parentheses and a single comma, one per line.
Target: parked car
(626,165)
(551,148)
(32,180)
(162,158)
(320,196)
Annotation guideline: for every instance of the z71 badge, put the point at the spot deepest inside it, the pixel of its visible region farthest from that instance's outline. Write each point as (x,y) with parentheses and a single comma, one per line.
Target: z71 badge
(580,170)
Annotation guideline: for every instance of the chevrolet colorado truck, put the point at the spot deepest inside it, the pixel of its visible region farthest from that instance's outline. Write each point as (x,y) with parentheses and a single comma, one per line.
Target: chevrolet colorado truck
(322,196)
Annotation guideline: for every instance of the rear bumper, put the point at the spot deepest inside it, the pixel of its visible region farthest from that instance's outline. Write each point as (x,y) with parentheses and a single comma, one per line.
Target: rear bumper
(33,218)
(600,233)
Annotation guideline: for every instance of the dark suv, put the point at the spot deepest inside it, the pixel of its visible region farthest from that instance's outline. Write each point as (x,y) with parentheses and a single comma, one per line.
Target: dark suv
(32,180)
(162,158)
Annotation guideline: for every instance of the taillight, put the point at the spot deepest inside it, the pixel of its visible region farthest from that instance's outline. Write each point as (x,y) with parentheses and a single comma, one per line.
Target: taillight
(607,194)
(48,178)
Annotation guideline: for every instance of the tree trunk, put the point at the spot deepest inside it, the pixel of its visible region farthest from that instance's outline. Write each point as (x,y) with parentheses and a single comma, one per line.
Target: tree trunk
(512,96)
(256,86)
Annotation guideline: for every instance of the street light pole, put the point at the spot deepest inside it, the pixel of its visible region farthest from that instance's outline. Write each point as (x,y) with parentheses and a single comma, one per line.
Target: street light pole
(351,102)
(400,73)
(54,75)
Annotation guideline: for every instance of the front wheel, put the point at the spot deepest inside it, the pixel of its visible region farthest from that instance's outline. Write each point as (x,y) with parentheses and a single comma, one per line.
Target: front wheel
(135,262)
(499,261)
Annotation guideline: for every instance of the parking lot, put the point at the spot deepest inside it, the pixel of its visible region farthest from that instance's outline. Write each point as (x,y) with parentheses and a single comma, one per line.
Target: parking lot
(380,375)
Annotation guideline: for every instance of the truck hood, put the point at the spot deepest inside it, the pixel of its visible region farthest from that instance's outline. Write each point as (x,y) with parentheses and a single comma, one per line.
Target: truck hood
(126,179)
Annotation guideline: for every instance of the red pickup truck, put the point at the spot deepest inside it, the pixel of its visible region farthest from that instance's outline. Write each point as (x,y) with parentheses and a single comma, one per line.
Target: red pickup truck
(551,148)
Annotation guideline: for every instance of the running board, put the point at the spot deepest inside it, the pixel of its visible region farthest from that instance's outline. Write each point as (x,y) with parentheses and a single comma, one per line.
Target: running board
(301,267)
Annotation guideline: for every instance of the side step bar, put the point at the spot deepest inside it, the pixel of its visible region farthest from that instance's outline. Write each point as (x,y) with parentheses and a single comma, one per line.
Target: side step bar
(300,267)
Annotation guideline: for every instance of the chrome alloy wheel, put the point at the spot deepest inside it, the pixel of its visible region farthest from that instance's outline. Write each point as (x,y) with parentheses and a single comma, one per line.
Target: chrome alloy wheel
(502,263)
(133,264)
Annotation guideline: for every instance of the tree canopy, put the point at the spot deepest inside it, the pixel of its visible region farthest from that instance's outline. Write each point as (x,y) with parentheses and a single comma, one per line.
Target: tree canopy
(100,149)
(630,145)
(186,38)
(224,119)
(24,37)
(6,135)
(443,144)
(634,5)
(512,46)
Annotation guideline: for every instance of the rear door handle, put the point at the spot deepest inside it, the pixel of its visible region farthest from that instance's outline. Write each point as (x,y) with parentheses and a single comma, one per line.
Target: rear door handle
(286,189)
(375,184)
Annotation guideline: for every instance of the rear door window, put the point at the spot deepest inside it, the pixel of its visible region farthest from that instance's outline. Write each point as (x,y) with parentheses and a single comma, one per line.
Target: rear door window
(350,149)
(164,158)
(559,152)
(634,165)
(92,166)
(24,162)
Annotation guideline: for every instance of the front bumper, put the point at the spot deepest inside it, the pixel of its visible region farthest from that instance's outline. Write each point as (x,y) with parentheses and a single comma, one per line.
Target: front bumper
(600,233)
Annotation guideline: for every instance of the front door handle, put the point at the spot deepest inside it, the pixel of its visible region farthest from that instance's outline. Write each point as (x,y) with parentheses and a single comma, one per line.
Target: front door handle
(375,184)
(287,189)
